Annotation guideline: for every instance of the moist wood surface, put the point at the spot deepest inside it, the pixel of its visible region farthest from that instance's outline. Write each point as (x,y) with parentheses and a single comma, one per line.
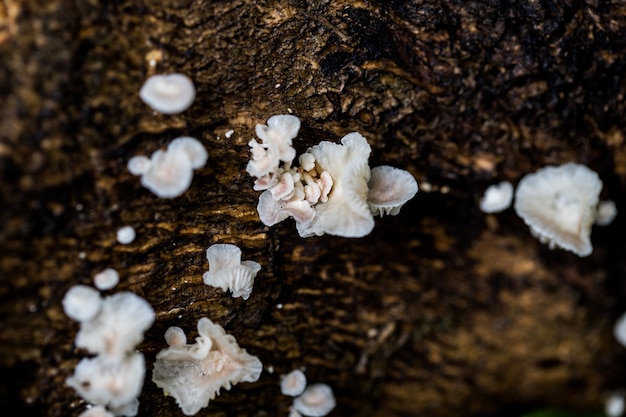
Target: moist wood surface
(441,311)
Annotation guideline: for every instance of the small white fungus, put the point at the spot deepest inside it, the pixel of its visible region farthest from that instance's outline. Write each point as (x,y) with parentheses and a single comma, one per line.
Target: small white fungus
(96,411)
(619,331)
(558,203)
(118,327)
(114,384)
(126,235)
(497,197)
(194,373)
(228,272)
(168,94)
(389,189)
(170,172)
(106,279)
(195,151)
(293,384)
(346,213)
(614,405)
(138,165)
(316,401)
(82,303)
(607,210)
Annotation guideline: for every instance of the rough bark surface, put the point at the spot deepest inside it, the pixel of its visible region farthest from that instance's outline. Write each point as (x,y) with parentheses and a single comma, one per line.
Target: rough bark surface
(441,311)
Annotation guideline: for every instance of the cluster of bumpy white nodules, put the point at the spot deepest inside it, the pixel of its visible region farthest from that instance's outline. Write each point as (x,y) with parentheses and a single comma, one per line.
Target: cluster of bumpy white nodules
(168,173)
(110,328)
(228,272)
(332,191)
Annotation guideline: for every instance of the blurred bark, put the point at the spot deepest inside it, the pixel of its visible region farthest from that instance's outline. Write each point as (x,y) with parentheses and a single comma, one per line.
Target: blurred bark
(442,310)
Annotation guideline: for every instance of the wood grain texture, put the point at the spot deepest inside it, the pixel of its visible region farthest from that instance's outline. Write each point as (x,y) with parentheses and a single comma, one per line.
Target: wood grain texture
(442,310)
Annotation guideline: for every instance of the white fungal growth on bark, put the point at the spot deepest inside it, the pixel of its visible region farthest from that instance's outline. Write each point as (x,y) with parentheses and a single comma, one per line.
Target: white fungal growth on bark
(228,272)
(168,94)
(332,191)
(497,197)
(194,373)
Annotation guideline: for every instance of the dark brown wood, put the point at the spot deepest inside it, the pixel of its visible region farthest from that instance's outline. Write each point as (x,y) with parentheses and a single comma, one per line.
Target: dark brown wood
(441,311)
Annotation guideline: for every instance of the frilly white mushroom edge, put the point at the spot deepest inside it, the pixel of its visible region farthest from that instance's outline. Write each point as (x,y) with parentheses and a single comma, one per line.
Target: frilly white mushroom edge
(194,373)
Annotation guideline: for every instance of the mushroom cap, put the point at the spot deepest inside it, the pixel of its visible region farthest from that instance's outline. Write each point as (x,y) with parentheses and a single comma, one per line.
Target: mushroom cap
(606,212)
(293,384)
(96,411)
(168,94)
(272,211)
(195,151)
(118,327)
(138,165)
(228,272)
(106,279)
(175,336)
(125,235)
(194,374)
(316,401)
(497,197)
(82,303)
(170,173)
(558,204)
(114,384)
(614,405)
(346,213)
(279,133)
(619,330)
(389,189)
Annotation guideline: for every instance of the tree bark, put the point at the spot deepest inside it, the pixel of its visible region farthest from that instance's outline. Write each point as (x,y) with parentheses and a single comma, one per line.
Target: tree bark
(441,310)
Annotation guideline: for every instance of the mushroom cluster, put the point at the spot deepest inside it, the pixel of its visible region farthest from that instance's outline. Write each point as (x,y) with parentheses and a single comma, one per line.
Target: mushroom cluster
(194,373)
(111,328)
(168,173)
(332,191)
(228,272)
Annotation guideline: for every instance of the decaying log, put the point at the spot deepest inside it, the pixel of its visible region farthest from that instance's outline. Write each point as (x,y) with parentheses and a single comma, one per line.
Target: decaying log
(442,310)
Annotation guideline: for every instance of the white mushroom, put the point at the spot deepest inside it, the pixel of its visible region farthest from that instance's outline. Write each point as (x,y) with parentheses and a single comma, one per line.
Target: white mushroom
(194,374)
(283,189)
(276,139)
(279,133)
(113,384)
(118,327)
(175,336)
(228,272)
(607,210)
(558,203)
(614,404)
(106,279)
(125,235)
(272,211)
(619,330)
(389,189)
(346,213)
(497,197)
(316,401)
(170,173)
(293,384)
(195,151)
(82,303)
(168,94)
(307,161)
(138,165)
(96,411)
